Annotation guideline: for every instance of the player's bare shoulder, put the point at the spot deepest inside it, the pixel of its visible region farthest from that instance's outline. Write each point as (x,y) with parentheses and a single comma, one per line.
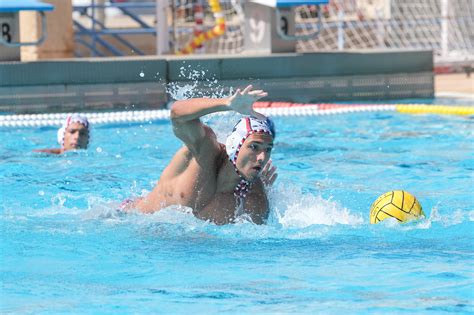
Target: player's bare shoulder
(208,148)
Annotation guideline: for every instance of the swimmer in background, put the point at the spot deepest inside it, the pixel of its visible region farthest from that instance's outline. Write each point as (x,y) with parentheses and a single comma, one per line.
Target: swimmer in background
(219,182)
(73,135)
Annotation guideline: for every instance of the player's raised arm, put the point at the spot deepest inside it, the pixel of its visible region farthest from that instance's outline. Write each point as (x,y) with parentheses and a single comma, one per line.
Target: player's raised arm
(185,114)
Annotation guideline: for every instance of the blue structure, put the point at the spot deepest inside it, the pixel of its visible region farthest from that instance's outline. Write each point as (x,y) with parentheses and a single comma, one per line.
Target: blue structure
(10,26)
(24,5)
(92,37)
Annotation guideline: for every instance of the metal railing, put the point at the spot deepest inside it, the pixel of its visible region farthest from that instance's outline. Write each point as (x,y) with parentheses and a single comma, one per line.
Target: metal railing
(92,33)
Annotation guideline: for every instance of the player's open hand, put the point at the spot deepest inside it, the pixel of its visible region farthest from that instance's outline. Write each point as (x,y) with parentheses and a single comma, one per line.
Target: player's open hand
(242,101)
(268,174)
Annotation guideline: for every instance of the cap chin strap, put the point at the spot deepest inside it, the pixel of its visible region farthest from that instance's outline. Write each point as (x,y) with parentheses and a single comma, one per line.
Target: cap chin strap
(243,186)
(240,192)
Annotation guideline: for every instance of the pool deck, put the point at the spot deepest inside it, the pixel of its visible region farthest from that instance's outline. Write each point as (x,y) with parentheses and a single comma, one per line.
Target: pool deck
(454,83)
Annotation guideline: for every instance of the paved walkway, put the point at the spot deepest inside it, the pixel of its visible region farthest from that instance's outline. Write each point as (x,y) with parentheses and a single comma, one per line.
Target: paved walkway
(454,83)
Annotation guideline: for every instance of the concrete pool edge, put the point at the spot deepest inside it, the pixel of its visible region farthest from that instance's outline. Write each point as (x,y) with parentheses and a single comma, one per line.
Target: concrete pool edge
(141,83)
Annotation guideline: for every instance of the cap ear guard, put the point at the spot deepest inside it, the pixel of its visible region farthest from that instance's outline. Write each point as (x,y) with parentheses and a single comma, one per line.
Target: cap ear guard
(271,125)
(232,144)
(60,135)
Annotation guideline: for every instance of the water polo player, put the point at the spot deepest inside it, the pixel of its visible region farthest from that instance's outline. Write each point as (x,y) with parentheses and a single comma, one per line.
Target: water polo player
(219,182)
(74,134)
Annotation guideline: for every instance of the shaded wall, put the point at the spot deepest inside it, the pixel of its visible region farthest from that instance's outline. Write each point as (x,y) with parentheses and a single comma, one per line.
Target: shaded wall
(126,83)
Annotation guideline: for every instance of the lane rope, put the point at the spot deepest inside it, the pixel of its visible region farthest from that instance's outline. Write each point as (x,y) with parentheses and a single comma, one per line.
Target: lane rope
(274,109)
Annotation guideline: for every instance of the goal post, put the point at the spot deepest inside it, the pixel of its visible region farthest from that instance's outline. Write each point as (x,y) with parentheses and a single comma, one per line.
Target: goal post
(444,26)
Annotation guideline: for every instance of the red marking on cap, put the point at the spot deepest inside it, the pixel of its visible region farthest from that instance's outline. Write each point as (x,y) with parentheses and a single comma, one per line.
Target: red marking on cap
(247,124)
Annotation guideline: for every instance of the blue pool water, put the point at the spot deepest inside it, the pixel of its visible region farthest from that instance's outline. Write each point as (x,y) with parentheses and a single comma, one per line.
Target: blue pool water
(64,248)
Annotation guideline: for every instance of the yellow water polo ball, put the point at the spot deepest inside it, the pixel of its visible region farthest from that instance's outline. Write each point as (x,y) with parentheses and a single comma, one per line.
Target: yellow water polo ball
(398,204)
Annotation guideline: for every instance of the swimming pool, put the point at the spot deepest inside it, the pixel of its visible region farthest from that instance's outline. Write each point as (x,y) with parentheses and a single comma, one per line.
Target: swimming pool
(65,249)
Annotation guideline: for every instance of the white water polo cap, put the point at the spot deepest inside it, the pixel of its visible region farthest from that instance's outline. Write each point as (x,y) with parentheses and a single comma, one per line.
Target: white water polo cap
(70,119)
(242,130)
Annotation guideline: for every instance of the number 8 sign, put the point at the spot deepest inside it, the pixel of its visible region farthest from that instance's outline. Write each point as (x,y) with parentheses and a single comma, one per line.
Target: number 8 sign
(9,33)
(6,32)
(7,27)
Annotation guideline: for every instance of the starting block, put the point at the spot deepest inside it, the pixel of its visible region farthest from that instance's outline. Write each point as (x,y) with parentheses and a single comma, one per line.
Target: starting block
(270,25)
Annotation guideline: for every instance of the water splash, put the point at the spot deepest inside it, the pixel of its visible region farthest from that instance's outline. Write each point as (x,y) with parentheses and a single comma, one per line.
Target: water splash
(434,220)
(198,84)
(457,216)
(204,85)
(179,91)
(293,209)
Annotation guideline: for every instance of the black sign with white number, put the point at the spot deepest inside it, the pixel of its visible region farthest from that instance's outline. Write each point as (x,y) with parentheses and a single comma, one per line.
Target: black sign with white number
(6,32)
